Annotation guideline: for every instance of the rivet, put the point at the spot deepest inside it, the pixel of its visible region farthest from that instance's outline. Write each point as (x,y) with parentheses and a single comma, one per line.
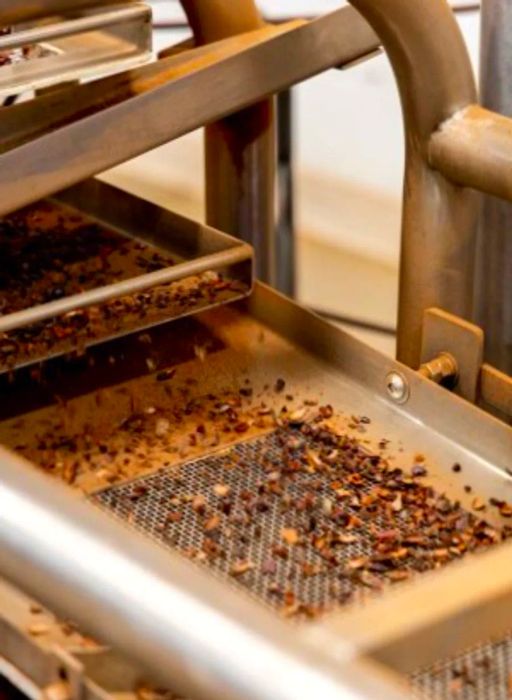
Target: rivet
(397,387)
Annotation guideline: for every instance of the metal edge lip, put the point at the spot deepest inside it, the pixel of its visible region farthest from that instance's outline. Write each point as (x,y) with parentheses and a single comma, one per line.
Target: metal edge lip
(139,329)
(61,64)
(79,71)
(368,368)
(438,615)
(15,11)
(125,287)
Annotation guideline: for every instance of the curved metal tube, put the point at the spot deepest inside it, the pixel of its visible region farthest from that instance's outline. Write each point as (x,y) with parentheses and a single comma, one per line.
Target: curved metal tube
(474,149)
(240,150)
(435,80)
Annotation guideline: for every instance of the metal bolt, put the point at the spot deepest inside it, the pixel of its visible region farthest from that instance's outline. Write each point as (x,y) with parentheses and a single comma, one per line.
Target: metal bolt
(398,387)
(443,369)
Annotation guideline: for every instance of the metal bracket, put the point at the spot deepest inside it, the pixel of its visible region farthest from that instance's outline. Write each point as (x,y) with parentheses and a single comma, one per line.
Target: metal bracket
(446,335)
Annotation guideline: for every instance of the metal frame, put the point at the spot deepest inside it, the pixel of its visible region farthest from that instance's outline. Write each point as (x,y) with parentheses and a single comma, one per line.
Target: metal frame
(148,96)
(439,215)
(438,239)
(240,150)
(156,608)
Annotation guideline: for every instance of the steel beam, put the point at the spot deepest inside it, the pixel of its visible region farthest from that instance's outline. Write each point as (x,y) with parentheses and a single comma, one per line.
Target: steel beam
(240,150)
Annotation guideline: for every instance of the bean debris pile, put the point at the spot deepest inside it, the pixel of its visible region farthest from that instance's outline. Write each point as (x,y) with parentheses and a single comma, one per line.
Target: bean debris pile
(304,518)
(49,252)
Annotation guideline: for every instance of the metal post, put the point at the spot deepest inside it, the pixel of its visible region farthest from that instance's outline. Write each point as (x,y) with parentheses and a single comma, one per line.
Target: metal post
(494,289)
(240,150)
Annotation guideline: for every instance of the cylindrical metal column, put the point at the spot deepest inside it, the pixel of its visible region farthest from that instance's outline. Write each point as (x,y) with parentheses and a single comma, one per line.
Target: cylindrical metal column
(494,288)
(196,637)
(240,150)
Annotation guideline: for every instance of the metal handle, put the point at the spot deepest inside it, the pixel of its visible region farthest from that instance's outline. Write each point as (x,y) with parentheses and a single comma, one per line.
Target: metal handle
(435,80)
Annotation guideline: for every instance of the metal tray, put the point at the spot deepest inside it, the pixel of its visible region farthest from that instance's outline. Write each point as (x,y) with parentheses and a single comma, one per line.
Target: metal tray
(97,262)
(91,44)
(285,355)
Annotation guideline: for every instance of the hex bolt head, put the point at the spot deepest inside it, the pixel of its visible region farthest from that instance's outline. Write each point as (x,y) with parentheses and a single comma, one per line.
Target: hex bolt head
(397,387)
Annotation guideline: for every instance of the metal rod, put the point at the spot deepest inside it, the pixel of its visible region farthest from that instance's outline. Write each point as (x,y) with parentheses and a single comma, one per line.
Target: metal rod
(160,609)
(474,149)
(137,284)
(439,219)
(494,290)
(240,150)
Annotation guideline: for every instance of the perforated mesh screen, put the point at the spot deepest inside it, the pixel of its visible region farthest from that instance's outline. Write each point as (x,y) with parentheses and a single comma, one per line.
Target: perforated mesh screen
(481,673)
(238,541)
(207,510)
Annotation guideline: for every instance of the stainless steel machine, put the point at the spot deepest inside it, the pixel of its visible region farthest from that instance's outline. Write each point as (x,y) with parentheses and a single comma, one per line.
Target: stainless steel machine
(206,491)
